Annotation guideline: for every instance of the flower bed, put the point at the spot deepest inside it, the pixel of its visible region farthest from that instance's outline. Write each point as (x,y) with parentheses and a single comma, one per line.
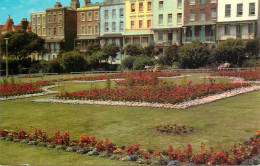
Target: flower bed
(90,146)
(253,75)
(29,76)
(21,88)
(153,94)
(116,76)
(173,128)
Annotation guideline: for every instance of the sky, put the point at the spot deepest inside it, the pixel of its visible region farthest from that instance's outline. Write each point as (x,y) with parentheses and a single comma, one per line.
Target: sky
(19,9)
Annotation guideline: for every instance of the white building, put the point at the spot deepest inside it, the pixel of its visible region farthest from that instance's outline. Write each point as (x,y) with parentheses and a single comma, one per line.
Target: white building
(237,19)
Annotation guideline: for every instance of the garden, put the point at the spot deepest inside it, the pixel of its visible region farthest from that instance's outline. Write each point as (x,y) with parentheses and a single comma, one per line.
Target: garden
(66,124)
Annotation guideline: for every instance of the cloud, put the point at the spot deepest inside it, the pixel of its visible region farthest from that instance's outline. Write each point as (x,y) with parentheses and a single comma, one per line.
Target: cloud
(18,7)
(6,0)
(3,8)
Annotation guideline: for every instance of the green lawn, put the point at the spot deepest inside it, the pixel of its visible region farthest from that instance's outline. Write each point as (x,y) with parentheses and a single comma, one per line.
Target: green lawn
(219,124)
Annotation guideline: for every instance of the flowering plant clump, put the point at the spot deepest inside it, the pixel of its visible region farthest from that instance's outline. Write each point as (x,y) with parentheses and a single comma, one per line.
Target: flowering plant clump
(251,75)
(117,76)
(173,128)
(153,94)
(29,76)
(22,88)
(207,156)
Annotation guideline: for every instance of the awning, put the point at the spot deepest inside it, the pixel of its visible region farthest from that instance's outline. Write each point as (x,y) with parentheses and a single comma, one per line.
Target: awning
(138,32)
(90,37)
(111,35)
(53,40)
(165,29)
(200,23)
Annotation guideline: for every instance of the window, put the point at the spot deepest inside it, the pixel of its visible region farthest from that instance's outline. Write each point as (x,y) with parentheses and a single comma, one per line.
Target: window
(49,31)
(132,7)
(251,9)
(89,16)
(96,16)
(250,28)
(132,24)
(49,18)
(213,1)
(149,23)
(213,14)
(106,27)
(96,29)
(228,10)
(60,17)
(60,30)
(239,9)
(38,31)
(141,7)
(106,14)
(43,19)
(82,16)
(160,19)
(140,23)
(89,29)
(54,18)
(121,12)
(114,13)
(34,30)
(160,4)
(39,20)
(83,29)
(43,31)
(149,6)
(202,1)
(121,26)
(54,31)
(227,29)
(202,14)
(160,35)
(192,2)
(192,15)
(34,21)
(113,26)
(179,18)
(169,18)
(179,3)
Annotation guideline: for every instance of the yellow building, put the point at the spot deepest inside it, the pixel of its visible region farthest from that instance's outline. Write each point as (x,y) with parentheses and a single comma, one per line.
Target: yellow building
(138,22)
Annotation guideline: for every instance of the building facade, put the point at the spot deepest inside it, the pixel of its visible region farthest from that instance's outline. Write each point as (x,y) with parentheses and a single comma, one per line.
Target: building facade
(61,29)
(200,17)
(238,19)
(167,22)
(112,25)
(88,25)
(138,22)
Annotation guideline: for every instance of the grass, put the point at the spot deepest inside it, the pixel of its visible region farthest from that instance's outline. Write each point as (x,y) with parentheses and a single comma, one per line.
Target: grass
(219,124)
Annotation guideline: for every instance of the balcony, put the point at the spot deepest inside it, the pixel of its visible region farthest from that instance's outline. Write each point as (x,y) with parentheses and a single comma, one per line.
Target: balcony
(206,39)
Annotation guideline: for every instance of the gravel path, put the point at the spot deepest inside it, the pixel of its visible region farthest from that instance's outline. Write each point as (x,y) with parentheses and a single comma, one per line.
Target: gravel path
(45,92)
(183,105)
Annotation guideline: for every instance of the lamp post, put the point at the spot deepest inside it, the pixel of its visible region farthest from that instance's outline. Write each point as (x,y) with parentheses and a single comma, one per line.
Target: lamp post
(6,40)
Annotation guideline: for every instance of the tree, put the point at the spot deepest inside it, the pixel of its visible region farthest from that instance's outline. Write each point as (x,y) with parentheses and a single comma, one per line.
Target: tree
(110,51)
(231,51)
(93,48)
(132,50)
(170,55)
(194,55)
(253,47)
(141,62)
(22,43)
(73,61)
(149,51)
(96,58)
(128,62)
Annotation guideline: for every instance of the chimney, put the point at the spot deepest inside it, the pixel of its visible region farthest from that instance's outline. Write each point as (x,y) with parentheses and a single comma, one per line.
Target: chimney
(75,4)
(24,23)
(57,5)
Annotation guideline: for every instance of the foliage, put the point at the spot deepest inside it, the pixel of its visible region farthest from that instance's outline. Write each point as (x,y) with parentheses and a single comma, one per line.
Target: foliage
(132,50)
(93,48)
(231,51)
(96,58)
(149,51)
(170,55)
(173,128)
(194,55)
(253,47)
(250,75)
(110,51)
(251,62)
(73,61)
(140,63)
(22,43)
(54,66)
(128,62)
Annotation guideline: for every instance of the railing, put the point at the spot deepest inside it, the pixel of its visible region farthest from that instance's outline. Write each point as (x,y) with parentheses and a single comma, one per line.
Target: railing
(201,39)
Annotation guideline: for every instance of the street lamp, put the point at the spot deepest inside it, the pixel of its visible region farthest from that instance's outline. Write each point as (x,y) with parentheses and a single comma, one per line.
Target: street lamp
(6,40)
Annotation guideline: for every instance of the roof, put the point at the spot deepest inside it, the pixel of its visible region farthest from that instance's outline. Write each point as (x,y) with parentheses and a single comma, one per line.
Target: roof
(109,35)
(199,23)
(138,32)
(53,40)
(91,6)
(8,25)
(29,28)
(89,37)
(166,29)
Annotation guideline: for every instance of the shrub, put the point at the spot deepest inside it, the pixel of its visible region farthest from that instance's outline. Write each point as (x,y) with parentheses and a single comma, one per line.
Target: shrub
(54,66)
(128,62)
(74,62)
(140,63)
(132,50)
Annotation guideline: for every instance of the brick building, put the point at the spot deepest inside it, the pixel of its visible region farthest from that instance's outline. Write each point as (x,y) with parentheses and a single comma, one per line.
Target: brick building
(88,22)
(200,18)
